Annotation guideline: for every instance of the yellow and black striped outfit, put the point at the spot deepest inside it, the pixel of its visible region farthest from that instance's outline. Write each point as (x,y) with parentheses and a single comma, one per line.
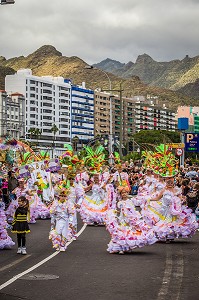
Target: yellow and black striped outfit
(20,223)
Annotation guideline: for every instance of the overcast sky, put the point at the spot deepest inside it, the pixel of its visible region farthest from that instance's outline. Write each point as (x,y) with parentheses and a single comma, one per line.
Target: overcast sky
(95,30)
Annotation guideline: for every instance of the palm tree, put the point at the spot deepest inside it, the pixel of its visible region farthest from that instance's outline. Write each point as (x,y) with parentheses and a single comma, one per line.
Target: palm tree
(35,133)
(75,141)
(38,133)
(54,130)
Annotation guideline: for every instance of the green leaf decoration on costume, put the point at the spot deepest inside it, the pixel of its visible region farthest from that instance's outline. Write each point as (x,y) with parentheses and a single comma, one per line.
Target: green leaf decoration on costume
(69,147)
(26,155)
(99,150)
(163,162)
(94,158)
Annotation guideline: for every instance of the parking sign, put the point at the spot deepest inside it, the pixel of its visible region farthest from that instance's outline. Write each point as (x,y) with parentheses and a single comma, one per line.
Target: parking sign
(192,142)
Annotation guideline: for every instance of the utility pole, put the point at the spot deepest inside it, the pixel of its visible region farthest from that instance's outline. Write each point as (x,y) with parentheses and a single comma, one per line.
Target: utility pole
(121,120)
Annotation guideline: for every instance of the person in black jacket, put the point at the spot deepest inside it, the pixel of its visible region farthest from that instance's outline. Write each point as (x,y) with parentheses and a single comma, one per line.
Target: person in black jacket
(12,183)
(192,197)
(20,223)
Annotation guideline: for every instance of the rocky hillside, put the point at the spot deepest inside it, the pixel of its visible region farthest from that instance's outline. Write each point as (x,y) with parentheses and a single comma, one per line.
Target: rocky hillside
(172,75)
(48,61)
(191,90)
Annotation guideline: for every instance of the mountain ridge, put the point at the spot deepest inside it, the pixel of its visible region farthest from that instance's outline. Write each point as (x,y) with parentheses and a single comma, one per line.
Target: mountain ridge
(172,75)
(47,60)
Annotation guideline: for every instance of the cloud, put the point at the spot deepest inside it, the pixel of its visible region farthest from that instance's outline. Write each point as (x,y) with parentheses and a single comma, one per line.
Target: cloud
(95,30)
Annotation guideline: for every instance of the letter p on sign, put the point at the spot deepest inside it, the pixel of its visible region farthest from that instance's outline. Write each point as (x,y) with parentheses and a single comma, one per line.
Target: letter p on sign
(189,137)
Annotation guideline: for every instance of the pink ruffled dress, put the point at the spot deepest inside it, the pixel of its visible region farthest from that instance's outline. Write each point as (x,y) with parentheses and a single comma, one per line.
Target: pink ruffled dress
(171,219)
(93,208)
(42,211)
(144,192)
(5,241)
(128,230)
(14,203)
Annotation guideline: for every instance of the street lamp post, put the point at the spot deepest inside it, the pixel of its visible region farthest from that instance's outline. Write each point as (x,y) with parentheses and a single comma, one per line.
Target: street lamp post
(111,113)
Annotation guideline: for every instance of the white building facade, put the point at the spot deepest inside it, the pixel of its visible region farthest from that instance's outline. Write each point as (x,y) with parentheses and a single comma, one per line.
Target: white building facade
(47,103)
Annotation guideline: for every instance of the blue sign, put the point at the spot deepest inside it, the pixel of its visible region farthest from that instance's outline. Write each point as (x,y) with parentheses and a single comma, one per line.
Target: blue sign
(183,123)
(192,142)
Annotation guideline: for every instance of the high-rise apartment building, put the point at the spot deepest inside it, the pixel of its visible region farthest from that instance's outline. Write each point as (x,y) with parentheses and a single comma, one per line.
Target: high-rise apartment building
(102,113)
(82,114)
(55,101)
(47,103)
(130,115)
(153,117)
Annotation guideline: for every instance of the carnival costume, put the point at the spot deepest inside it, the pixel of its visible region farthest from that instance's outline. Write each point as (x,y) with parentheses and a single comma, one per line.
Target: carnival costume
(14,203)
(143,191)
(127,229)
(61,222)
(75,197)
(5,241)
(170,218)
(93,208)
(21,218)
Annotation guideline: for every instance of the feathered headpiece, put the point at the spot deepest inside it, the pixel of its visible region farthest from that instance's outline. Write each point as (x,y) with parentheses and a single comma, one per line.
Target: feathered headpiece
(117,158)
(163,162)
(70,158)
(94,159)
(63,187)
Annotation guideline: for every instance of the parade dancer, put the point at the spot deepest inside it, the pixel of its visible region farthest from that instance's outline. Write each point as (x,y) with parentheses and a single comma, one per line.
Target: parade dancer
(19,191)
(82,176)
(144,189)
(75,196)
(157,188)
(61,221)
(126,227)
(5,241)
(111,194)
(32,201)
(93,208)
(43,211)
(121,176)
(172,219)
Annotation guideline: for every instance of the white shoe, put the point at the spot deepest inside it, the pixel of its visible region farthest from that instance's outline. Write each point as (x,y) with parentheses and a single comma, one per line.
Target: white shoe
(19,250)
(23,251)
(121,252)
(62,249)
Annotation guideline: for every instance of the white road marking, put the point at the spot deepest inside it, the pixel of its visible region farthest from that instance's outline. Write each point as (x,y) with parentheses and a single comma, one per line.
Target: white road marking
(15,262)
(178,275)
(173,276)
(167,277)
(38,264)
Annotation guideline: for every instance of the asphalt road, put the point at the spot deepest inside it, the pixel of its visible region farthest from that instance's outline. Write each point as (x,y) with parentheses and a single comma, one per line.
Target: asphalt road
(86,271)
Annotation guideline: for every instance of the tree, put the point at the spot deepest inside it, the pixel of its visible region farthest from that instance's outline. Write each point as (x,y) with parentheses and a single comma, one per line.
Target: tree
(54,130)
(75,141)
(156,137)
(35,133)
